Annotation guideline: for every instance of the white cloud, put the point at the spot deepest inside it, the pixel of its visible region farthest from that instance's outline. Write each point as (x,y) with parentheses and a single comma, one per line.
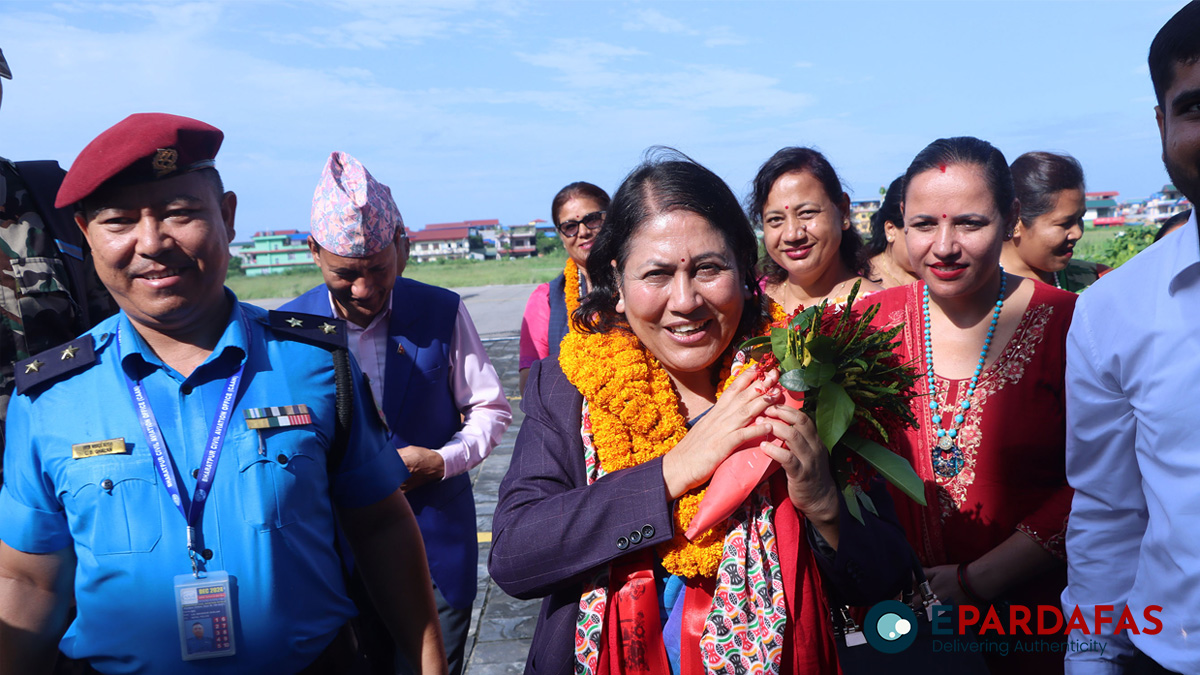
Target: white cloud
(647,82)
(656,21)
(378,24)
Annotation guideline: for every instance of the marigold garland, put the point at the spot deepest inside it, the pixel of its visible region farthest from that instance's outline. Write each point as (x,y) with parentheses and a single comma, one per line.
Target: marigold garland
(571,291)
(635,418)
(779,315)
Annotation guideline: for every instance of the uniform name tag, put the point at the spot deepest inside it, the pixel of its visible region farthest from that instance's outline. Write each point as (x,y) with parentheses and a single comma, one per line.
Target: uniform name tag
(113,446)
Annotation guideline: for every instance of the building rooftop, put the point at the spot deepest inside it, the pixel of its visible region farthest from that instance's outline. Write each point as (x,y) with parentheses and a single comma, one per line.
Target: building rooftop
(439,234)
(466,223)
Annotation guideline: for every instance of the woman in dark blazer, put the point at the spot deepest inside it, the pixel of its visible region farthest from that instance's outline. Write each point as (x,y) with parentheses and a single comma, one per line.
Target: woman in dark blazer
(624,429)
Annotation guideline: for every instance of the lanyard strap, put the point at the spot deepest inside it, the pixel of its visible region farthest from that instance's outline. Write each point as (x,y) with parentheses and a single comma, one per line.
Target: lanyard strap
(162,457)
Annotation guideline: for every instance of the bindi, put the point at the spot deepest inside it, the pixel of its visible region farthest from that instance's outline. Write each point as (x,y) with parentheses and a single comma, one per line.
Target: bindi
(785,208)
(943,216)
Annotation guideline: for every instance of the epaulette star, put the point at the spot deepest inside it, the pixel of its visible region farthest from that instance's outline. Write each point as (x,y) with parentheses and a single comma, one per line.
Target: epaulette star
(311,328)
(53,364)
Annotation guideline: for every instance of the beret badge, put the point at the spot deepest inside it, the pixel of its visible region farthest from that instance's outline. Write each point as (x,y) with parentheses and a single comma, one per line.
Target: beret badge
(165,160)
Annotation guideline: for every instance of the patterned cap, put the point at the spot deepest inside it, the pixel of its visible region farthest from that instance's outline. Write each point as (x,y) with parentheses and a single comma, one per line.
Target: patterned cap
(353,215)
(141,148)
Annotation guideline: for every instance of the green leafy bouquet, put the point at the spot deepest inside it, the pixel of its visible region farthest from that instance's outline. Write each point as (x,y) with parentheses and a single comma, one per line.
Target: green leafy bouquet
(846,375)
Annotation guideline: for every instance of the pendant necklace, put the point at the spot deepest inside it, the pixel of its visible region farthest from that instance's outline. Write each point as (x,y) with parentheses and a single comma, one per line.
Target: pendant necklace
(947,457)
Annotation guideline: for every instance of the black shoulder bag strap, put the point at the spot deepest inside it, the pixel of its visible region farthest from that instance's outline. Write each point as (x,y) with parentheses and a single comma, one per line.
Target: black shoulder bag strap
(374,642)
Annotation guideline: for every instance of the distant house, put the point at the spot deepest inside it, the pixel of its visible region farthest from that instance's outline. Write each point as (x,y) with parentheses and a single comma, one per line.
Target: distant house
(445,241)
(860,215)
(1164,204)
(477,239)
(1102,210)
(275,251)
(520,241)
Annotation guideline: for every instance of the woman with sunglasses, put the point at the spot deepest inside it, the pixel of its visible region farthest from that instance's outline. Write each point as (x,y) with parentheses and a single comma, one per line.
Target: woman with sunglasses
(805,217)
(578,211)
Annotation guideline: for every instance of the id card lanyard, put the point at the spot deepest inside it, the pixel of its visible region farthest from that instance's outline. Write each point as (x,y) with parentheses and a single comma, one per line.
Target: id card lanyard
(165,464)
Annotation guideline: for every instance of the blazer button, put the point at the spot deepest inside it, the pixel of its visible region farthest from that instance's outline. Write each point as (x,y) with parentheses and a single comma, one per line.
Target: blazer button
(106,484)
(647,531)
(635,537)
(282,459)
(622,543)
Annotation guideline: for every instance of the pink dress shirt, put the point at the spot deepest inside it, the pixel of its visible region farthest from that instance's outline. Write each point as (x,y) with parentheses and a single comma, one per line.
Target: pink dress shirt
(535,327)
(473,382)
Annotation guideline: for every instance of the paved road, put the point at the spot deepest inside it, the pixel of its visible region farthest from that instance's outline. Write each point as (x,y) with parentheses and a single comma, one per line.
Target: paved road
(501,626)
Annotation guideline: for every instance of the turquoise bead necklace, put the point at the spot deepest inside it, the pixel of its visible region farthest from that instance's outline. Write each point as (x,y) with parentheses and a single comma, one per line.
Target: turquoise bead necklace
(947,457)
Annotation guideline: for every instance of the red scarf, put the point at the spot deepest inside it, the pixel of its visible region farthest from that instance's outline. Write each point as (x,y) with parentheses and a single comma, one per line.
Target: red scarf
(633,627)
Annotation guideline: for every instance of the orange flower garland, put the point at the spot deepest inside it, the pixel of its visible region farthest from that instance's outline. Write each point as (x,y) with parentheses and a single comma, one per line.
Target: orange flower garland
(571,291)
(778,315)
(635,418)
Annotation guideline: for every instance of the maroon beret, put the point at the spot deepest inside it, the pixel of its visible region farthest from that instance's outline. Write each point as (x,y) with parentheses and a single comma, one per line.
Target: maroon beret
(141,148)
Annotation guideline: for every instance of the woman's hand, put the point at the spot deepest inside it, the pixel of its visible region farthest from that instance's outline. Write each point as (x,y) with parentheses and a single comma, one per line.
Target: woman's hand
(729,424)
(943,581)
(798,448)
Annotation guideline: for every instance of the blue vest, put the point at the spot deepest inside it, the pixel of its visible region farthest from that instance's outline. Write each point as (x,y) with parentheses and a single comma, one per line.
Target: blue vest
(557,328)
(419,406)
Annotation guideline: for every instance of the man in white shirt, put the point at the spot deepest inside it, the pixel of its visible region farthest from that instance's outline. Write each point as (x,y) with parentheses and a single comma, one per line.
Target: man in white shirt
(427,369)
(1132,415)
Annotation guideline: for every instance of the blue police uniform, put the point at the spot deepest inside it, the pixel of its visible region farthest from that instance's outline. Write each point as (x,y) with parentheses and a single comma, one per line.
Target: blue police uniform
(268,521)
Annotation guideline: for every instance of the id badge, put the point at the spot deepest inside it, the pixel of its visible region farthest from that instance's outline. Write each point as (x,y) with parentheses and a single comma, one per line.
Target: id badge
(205,616)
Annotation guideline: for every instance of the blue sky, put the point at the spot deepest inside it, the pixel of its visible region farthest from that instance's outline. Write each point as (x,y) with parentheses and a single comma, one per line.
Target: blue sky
(473,110)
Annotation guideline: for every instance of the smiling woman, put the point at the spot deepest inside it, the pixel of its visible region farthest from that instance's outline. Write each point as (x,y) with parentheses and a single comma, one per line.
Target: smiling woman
(805,215)
(578,211)
(1051,191)
(621,435)
(993,347)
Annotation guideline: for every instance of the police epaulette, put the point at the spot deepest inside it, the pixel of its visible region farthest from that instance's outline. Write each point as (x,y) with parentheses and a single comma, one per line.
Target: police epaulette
(318,330)
(52,364)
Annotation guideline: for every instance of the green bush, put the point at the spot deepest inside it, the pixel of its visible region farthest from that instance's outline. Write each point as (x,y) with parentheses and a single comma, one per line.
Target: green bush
(1123,245)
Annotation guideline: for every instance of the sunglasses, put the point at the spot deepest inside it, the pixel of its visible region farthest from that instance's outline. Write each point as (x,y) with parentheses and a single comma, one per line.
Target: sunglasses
(593,220)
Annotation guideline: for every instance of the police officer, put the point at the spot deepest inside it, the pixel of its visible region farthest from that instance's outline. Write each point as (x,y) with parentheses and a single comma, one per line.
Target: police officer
(48,291)
(184,461)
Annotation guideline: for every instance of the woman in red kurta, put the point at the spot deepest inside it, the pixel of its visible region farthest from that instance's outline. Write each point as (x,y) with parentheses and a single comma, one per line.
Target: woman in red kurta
(991,442)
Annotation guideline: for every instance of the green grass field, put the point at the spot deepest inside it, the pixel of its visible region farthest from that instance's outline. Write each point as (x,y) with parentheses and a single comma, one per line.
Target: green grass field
(1093,237)
(449,274)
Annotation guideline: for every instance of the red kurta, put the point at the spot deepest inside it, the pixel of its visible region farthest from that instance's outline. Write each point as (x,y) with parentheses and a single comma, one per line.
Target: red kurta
(1013,441)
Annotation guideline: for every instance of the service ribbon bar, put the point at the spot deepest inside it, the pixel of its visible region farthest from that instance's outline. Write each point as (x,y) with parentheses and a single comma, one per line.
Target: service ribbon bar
(277,416)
